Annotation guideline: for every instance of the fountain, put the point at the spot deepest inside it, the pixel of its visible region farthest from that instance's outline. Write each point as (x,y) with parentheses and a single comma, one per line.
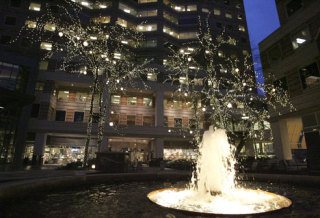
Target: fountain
(213,188)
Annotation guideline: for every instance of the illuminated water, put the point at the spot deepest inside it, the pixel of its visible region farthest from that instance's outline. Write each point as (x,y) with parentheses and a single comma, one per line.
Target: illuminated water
(213,188)
(129,200)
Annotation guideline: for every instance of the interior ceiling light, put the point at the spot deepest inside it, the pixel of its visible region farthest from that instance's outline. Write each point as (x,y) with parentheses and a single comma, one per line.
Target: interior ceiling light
(300,40)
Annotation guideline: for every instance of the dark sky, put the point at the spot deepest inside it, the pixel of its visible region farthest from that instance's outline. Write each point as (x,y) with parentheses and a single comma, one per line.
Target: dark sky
(262,18)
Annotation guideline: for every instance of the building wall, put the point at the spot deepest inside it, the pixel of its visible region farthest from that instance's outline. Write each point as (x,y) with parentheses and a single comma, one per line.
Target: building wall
(291,54)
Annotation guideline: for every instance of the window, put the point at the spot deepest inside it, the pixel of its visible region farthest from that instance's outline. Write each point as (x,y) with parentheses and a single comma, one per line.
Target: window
(34,6)
(177,122)
(10,20)
(147,102)
(127,9)
(240,16)
(63,95)
(170,17)
(146,1)
(310,75)
(132,100)
(191,7)
(122,22)
(226,2)
(205,10)
(39,86)
(147,27)
(49,27)
(78,116)
(35,110)
(149,43)
(148,121)
(148,13)
(46,46)
(188,35)
(15,3)
(115,99)
(165,121)
(103,19)
(241,28)
(228,15)
(5,39)
(293,6)
(131,120)
(31,24)
(170,31)
(216,12)
(60,115)
(152,77)
(300,38)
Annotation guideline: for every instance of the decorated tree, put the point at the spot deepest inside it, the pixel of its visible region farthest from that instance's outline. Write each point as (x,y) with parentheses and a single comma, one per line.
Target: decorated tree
(79,45)
(228,93)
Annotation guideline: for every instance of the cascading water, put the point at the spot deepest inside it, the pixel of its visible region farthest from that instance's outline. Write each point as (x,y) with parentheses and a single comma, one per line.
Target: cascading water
(213,186)
(215,166)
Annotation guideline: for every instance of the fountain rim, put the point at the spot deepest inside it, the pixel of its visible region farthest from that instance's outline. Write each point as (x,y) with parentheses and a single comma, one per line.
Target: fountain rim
(218,214)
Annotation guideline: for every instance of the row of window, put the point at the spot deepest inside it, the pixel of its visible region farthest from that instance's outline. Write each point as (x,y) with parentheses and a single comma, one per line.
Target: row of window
(309,76)
(286,46)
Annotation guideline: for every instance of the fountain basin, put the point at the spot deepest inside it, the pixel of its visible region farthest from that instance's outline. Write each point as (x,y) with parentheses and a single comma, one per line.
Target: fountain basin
(237,202)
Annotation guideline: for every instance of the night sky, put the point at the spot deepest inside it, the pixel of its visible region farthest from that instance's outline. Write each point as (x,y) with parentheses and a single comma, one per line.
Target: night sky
(262,18)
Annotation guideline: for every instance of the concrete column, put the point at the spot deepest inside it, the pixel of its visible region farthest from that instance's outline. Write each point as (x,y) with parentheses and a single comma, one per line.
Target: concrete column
(38,148)
(281,140)
(159,108)
(158,148)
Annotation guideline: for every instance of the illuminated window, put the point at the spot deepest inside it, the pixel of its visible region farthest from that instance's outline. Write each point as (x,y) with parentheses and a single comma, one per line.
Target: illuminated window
(122,22)
(46,46)
(191,7)
(132,100)
(147,27)
(149,13)
(31,24)
(152,76)
(127,9)
(182,80)
(43,65)
(216,12)
(103,19)
(188,35)
(49,27)
(170,32)
(170,17)
(115,99)
(241,28)
(228,15)
(146,1)
(300,38)
(34,6)
(149,43)
(147,102)
(205,10)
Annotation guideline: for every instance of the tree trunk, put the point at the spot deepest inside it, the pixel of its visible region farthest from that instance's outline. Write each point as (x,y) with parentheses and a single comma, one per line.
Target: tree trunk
(89,125)
(103,111)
